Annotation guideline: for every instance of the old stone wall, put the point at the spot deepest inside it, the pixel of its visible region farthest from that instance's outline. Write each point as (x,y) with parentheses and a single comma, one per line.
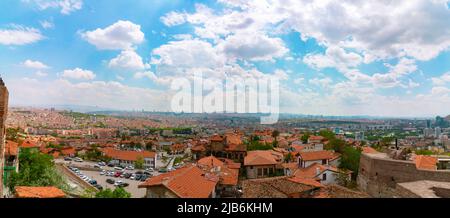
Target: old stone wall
(379,176)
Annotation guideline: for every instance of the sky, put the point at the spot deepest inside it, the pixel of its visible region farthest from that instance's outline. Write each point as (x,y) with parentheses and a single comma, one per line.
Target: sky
(348,57)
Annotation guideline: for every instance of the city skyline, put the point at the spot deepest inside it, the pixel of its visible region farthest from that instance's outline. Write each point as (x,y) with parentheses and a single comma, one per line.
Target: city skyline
(345,59)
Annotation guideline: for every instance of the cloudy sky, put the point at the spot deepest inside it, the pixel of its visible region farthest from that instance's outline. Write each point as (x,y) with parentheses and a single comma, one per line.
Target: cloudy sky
(347,57)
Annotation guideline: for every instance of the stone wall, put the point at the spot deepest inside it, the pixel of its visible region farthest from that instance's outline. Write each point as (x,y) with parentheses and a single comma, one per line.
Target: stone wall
(379,176)
(4,95)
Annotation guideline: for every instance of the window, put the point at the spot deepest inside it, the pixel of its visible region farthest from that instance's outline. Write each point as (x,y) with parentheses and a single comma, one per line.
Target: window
(260,171)
(324,161)
(324,177)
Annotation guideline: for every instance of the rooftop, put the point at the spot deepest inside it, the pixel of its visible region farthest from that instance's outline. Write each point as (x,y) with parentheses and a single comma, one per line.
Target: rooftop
(39,192)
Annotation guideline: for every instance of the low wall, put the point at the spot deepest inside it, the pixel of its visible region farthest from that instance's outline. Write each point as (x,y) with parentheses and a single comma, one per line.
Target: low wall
(378,176)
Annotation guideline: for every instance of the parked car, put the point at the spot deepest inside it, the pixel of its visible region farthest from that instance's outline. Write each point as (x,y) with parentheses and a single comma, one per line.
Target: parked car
(117,174)
(111,165)
(103,172)
(93,182)
(101,163)
(77,159)
(124,184)
(149,170)
(147,173)
(138,177)
(99,187)
(127,175)
(118,168)
(143,178)
(129,168)
(110,181)
(162,170)
(67,159)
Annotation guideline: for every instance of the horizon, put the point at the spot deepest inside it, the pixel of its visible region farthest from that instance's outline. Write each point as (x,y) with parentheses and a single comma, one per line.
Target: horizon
(76,108)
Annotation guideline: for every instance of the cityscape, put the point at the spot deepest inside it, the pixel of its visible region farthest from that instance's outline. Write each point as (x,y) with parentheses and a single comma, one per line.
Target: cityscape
(224,99)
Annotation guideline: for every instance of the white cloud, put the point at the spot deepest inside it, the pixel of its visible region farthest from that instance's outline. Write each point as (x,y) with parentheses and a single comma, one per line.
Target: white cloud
(253,46)
(65,6)
(119,36)
(187,54)
(173,18)
(47,24)
(442,80)
(335,57)
(19,35)
(79,74)
(324,82)
(129,60)
(37,65)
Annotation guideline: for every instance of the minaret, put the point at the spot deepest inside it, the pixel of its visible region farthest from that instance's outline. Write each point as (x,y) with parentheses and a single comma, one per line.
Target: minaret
(3,113)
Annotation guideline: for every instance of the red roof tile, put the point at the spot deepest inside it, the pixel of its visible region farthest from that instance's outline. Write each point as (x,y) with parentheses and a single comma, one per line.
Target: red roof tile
(186,182)
(39,192)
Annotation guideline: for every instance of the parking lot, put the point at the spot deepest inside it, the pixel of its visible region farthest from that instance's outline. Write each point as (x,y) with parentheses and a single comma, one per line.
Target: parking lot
(87,168)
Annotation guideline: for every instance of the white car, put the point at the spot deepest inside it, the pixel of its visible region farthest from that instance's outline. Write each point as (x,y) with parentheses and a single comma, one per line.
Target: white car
(102,173)
(118,168)
(129,168)
(77,159)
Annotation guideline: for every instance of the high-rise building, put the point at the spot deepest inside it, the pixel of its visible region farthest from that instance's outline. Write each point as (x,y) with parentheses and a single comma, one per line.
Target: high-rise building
(437,132)
(3,113)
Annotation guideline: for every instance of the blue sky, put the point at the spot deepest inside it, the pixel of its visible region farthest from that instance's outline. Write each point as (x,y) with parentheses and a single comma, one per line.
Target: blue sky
(333,58)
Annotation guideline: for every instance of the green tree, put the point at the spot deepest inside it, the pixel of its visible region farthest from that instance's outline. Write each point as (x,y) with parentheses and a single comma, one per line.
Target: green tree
(350,160)
(117,193)
(305,137)
(12,133)
(139,163)
(36,169)
(329,135)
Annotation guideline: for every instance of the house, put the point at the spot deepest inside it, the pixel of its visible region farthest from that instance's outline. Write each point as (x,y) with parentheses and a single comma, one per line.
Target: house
(279,187)
(11,159)
(128,158)
(234,147)
(68,152)
(325,157)
(177,149)
(259,164)
(315,139)
(325,174)
(187,182)
(29,144)
(226,170)
(38,192)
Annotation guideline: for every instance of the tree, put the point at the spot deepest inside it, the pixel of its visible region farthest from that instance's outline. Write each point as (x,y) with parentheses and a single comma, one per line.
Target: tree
(117,193)
(336,145)
(12,133)
(275,134)
(350,160)
(36,169)
(329,135)
(139,163)
(305,137)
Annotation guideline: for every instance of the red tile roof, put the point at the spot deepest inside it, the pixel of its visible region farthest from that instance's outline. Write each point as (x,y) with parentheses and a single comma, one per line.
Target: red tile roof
(259,158)
(68,151)
(29,144)
(39,192)
(216,138)
(319,155)
(426,162)
(11,148)
(127,155)
(310,172)
(210,161)
(186,182)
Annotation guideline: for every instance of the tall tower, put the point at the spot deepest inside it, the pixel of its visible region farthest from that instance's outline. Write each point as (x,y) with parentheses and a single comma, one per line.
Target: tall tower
(3,113)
